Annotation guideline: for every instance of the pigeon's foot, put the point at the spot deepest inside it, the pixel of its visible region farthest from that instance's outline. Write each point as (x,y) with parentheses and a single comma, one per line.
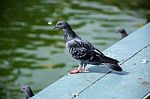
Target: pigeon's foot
(78,70)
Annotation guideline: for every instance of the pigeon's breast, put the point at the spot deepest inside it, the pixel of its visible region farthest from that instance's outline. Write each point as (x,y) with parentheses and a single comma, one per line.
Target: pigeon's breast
(72,44)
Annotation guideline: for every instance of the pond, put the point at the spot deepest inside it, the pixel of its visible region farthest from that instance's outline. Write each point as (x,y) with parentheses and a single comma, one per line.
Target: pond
(31,52)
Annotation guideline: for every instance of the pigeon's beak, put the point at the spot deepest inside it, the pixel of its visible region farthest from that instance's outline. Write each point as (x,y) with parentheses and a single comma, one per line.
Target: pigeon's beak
(54,27)
(116,31)
(21,90)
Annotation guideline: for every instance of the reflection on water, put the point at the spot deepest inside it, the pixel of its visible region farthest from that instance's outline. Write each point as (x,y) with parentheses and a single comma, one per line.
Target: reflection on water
(32,53)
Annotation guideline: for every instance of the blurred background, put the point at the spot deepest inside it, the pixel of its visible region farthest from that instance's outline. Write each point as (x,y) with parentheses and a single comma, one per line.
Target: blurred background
(31,52)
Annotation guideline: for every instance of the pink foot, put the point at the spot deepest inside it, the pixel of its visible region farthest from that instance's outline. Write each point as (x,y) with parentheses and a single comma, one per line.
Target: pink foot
(74,71)
(77,70)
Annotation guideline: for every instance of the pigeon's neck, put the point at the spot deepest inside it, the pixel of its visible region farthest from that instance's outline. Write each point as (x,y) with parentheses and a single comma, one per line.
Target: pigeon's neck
(29,94)
(69,34)
(124,34)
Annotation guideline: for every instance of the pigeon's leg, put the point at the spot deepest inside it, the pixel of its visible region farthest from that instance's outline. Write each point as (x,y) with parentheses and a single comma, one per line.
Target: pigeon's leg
(83,68)
(76,70)
(80,69)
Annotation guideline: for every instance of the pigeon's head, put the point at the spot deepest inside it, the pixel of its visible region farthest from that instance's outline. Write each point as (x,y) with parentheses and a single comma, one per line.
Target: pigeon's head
(61,25)
(25,89)
(121,30)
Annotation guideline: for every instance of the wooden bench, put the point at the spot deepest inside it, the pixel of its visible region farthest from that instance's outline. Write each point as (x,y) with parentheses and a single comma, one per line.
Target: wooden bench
(100,82)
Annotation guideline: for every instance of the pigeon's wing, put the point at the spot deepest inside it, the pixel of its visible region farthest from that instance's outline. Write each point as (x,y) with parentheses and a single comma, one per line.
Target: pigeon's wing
(80,49)
(95,56)
(98,52)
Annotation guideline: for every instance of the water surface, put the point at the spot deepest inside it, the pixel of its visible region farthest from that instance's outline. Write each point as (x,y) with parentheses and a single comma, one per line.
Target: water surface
(31,52)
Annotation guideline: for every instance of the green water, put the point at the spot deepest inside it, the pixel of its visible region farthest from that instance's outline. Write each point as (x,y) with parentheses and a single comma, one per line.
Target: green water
(31,52)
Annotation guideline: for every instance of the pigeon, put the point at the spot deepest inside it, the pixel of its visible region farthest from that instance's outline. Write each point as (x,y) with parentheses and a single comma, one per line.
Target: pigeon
(27,90)
(83,51)
(123,32)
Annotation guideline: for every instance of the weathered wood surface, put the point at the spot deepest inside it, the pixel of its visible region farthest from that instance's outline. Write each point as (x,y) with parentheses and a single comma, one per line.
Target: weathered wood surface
(103,83)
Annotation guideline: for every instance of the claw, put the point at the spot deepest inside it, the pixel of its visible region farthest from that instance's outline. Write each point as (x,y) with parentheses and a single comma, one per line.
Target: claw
(77,70)
(74,71)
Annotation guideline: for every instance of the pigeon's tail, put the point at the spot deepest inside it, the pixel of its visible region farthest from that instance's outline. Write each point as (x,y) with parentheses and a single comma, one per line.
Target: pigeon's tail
(110,60)
(113,63)
(115,67)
